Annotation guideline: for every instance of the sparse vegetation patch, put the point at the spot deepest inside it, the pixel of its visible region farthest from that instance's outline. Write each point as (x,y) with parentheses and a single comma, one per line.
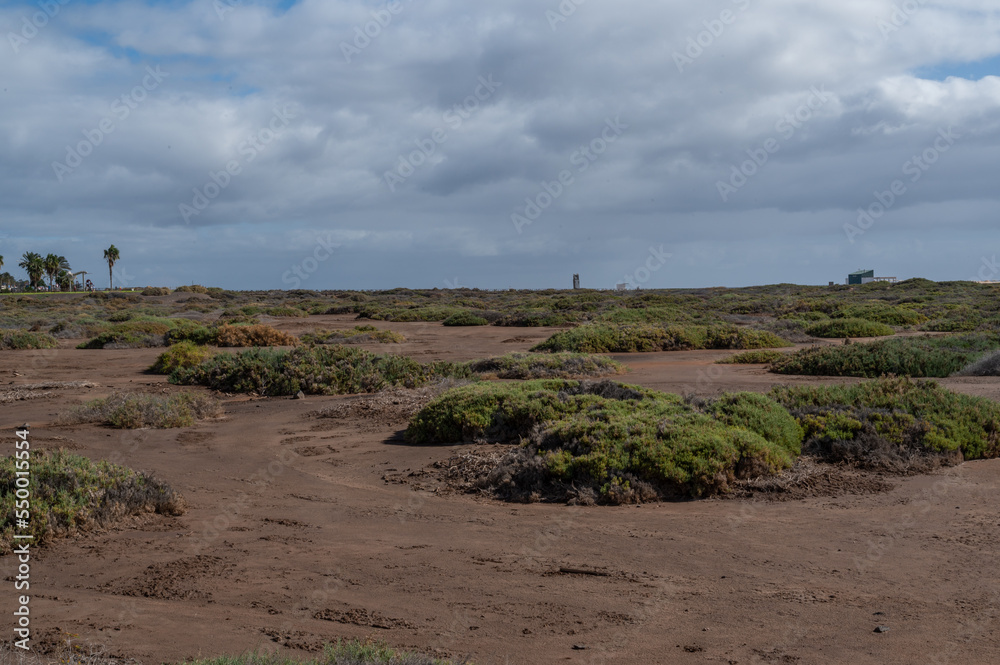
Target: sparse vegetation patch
(130,410)
(70,492)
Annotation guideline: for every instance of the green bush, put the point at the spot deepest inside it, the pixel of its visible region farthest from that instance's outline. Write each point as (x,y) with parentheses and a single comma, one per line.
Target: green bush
(181,355)
(155,291)
(922,356)
(290,312)
(128,410)
(606,338)
(465,319)
(896,412)
(545,366)
(757,357)
(318,370)
(194,288)
(605,435)
(835,328)
(23,339)
(881,312)
(70,492)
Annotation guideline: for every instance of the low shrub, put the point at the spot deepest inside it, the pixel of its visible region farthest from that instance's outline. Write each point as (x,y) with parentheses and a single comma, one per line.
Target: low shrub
(605,338)
(922,356)
(756,357)
(129,410)
(69,492)
(884,422)
(252,335)
(534,320)
(290,312)
(621,441)
(318,370)
(465,319)
(849,328)
(545,366)
(881,312)
(181,355)
(194,288)
(155,291)
(23,339)
(355,335)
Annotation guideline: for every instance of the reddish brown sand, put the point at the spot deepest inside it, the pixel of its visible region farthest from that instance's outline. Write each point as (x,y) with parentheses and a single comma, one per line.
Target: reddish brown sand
(302,530)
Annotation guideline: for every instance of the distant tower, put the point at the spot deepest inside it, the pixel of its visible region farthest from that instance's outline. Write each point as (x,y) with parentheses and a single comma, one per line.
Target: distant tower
(576,281)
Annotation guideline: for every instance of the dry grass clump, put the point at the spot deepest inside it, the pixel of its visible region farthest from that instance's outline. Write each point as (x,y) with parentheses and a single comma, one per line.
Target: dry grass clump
(130,410)
(252,335)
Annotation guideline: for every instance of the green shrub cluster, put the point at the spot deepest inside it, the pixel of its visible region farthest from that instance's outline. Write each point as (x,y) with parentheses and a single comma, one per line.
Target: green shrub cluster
(183,354)
(545,366)
(922,356)
(23,339)
(612,437)
(898,411)
(835,328)
(155,291)
(881,312)
(606,338)
(627,442)
(70,492)
(319,370)
(756,357)
(465,319)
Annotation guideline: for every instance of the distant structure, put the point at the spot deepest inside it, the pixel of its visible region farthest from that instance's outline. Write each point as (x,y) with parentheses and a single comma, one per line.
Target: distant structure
(576,281)
(867,277)
(621,287)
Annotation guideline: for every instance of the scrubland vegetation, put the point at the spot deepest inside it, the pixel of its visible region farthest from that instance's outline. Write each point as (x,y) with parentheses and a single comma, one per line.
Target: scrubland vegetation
(615,443)
(129,410)
(70,492)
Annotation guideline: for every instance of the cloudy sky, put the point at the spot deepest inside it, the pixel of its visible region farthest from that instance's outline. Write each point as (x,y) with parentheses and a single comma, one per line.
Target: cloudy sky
(359,144)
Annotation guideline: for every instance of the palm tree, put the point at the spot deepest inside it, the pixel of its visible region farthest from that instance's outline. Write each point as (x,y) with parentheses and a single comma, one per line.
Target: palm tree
(1,262)
(54,265)
(6,279)
(34,265)
(111,255)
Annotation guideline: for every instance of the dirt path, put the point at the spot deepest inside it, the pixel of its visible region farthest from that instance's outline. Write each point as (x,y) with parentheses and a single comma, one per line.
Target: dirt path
(300,530)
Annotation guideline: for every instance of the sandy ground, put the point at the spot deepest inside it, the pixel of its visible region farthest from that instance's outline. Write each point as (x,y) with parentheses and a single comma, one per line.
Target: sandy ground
(302,530)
